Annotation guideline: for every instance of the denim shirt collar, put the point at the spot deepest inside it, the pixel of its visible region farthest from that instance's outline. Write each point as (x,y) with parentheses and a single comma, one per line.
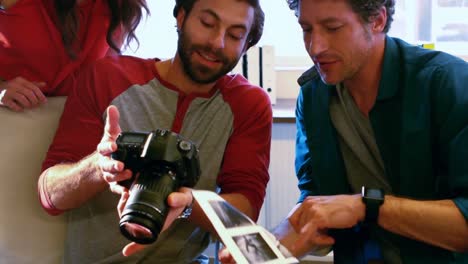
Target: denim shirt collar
(389,81)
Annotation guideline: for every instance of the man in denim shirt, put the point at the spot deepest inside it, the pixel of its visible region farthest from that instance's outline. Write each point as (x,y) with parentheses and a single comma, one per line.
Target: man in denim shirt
(382,141)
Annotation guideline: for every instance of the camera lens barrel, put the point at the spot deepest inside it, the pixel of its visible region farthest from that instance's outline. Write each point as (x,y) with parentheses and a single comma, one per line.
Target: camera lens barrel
(146,209)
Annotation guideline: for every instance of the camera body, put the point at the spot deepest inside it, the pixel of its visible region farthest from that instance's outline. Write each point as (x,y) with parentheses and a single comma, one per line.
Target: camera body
(162,162)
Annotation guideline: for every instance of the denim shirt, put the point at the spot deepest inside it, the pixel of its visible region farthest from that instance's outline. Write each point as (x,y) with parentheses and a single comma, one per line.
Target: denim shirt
(420,121)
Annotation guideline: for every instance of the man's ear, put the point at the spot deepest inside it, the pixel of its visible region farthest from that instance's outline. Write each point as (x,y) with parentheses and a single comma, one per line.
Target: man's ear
(180,18)
(380,20)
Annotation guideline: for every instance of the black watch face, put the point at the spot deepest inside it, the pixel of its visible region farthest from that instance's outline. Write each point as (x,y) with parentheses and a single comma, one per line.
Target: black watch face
(374,193)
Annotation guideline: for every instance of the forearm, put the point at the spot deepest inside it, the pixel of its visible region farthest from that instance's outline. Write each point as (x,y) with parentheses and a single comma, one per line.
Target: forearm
(439,223)
(71,185)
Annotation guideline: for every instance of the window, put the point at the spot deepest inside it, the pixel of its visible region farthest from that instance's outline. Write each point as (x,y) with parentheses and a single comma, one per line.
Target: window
(442,22)
(157,34)
(450,25)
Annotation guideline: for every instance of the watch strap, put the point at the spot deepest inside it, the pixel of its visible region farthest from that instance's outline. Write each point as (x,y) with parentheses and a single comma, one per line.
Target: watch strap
(373,199)
(188,209)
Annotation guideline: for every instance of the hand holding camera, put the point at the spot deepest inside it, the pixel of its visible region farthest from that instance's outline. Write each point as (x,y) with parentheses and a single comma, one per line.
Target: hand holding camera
(112,170)
(152,165)
(161,162)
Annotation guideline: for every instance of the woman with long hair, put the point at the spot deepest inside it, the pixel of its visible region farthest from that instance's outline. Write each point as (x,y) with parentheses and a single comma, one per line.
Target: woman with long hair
(44,43)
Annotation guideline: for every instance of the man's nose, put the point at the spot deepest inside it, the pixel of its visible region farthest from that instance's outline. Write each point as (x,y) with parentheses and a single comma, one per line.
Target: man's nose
(317,44)
(217,39)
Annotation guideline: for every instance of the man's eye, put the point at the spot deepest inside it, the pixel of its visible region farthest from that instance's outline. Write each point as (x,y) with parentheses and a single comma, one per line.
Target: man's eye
(332,29)
(236,36)
(206,24)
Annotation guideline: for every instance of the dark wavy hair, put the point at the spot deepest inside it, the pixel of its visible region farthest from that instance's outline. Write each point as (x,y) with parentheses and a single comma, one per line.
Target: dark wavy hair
(366,9)
(257,27)
(125,13)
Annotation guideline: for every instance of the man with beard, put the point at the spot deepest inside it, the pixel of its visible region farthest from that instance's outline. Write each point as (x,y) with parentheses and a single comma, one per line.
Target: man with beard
(382,141)
(192,95)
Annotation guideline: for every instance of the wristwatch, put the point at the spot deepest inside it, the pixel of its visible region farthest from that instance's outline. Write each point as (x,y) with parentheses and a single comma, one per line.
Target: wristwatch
(373,198)
(188,210)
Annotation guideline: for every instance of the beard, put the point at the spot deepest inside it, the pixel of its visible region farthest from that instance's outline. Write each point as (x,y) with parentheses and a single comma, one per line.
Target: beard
(197,72)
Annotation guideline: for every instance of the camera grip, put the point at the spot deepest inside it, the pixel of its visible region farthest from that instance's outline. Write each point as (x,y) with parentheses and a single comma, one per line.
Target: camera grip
(121,155)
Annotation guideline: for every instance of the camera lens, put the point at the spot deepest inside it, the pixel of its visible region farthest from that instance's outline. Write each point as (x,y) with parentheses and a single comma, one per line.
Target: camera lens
(146,208)
(137,230)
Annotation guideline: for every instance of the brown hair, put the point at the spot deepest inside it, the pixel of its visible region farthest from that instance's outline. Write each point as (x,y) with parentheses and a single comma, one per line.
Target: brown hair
(125,13)
(257,26)
(366,9)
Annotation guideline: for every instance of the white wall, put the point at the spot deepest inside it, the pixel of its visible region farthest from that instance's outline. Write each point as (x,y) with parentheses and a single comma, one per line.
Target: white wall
(282,191)
(158,36)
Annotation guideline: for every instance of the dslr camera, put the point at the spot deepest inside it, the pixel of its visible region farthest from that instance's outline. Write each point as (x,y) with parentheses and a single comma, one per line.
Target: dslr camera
(161,162)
